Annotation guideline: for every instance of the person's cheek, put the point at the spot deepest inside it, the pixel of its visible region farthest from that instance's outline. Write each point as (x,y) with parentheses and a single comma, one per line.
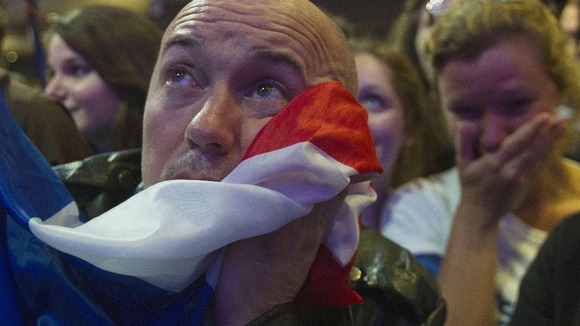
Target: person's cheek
(386,129)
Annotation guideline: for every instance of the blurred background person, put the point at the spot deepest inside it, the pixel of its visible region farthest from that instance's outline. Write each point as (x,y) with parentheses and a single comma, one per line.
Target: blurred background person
(570,21)
(405,37)
(43,120)
(100,72)
(502,71)
(413,24)
(407,136)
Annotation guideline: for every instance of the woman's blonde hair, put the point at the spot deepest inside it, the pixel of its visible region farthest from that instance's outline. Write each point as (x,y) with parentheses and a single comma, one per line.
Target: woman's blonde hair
(472,26)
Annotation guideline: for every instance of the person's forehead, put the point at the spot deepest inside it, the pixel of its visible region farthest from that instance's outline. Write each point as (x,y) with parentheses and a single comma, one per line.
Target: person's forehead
(262,21)
(261,26)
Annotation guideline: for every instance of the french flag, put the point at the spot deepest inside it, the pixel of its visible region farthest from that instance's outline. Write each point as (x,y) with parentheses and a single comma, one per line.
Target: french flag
(167,240)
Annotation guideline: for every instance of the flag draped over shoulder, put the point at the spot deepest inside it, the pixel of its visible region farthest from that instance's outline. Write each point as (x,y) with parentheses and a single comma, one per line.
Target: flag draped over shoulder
(170,234)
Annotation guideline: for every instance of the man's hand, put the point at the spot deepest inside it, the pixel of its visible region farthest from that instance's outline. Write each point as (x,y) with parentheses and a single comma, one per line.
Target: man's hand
(263,272)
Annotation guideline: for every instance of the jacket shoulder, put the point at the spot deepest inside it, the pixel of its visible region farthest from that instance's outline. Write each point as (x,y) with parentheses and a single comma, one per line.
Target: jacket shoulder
(100,182)
(390,278)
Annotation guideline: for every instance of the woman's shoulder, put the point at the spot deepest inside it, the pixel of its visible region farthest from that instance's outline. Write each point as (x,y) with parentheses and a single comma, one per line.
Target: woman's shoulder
(441,187)
(419,215)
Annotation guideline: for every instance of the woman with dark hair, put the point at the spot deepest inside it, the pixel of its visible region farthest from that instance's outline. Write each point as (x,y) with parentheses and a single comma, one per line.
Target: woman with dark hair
(100,60)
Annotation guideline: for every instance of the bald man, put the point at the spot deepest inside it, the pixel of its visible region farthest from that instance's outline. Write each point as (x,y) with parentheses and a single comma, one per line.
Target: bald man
(225,69)
(252,140)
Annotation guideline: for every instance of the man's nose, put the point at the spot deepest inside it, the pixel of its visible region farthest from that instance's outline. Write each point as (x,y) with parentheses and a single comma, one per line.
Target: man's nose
(55,89)
(214,128)
(493,132)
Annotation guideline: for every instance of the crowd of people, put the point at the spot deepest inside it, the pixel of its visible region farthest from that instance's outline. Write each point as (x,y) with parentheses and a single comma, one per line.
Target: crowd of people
(267,163)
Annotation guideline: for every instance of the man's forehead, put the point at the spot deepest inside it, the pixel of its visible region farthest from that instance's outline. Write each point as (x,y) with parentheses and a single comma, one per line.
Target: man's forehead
(214,21)
(198,34)
(256,12)
(296,28)
(246,24)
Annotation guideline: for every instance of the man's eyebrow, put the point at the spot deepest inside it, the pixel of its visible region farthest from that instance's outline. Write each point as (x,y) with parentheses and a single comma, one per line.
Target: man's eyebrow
(180,41)
(267,55)
(277,58)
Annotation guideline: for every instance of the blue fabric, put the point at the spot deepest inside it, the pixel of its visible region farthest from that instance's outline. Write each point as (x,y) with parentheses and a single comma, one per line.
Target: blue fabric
(28,186)
(432,263)
(42,286)
(8,308)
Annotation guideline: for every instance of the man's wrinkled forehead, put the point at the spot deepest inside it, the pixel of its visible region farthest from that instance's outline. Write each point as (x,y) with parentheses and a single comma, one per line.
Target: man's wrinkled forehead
(294,27)
(258,15)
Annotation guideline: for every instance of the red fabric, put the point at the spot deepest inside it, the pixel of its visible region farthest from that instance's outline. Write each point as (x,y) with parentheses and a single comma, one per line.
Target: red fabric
(327,283)
(328,116)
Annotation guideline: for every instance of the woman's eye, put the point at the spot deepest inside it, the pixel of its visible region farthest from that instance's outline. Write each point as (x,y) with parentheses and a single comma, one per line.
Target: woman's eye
(465,113)
(374,103)
(79,70)
(518,107)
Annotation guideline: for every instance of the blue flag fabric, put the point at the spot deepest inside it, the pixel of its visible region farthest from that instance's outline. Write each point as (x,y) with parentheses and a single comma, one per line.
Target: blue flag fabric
(41,285)
(8,307)
(28,185)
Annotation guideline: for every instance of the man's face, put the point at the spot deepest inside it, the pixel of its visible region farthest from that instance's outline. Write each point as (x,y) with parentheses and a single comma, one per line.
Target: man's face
(225,68)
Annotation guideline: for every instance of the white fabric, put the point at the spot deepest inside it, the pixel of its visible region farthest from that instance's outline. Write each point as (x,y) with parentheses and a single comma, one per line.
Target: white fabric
(419,216)
(171,233)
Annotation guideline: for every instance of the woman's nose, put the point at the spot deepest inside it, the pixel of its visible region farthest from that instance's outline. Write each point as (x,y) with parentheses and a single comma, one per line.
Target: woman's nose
(493,132)
(55,89)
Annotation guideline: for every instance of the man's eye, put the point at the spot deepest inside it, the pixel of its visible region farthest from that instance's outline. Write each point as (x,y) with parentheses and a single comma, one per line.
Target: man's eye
(270,91)
(178,76)
(266,98)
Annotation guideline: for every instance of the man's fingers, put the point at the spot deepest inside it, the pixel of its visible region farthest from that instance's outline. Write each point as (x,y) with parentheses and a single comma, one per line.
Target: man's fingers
(323,213)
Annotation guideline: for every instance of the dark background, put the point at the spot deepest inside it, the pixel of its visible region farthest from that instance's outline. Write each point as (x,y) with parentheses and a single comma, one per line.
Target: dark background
(374,16)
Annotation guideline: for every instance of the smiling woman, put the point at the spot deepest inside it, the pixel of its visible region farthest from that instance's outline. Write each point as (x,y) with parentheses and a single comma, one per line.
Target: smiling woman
(101,73)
